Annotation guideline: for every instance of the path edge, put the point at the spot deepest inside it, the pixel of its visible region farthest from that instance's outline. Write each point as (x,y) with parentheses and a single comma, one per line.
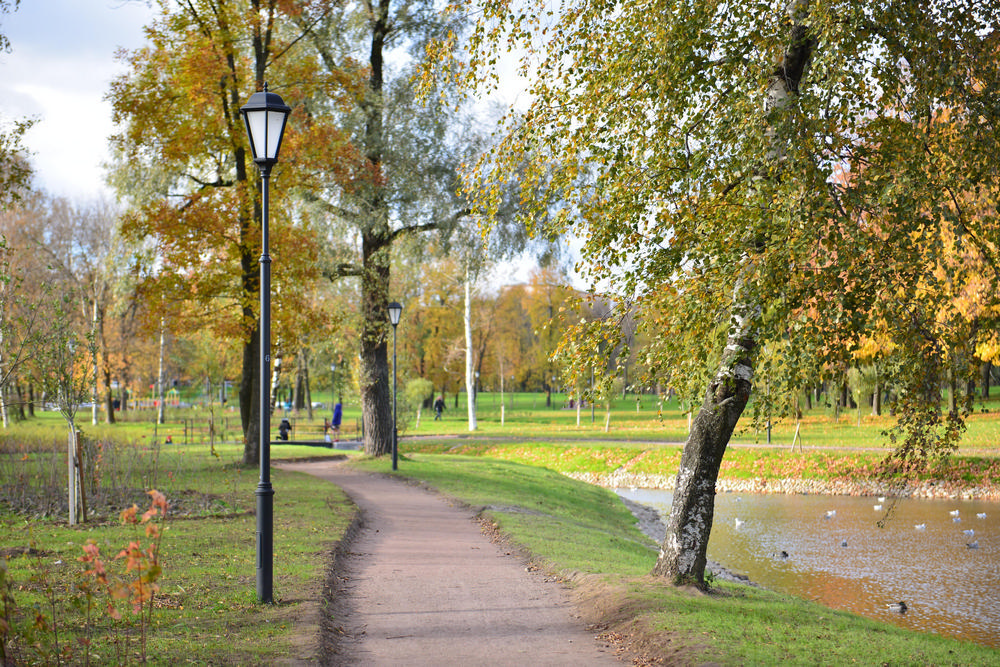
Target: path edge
(333,636)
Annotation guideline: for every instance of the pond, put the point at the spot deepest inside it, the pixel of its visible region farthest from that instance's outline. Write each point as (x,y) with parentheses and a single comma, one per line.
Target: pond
(940,557)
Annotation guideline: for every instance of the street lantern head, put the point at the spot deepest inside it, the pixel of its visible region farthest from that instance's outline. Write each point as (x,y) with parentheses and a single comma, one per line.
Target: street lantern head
(265,115)
(395,311)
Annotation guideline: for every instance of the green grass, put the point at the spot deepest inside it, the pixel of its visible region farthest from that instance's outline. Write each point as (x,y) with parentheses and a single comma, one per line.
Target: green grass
(577,528)
(526,418)
(207,610)
(963,471)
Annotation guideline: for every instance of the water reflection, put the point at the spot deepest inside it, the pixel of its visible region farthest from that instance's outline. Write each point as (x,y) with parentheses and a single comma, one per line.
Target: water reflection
(830,549)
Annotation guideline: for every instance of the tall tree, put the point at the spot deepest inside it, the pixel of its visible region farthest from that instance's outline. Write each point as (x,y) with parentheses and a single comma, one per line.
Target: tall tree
(702,162)
(398,176)
(79,242)
(181,160)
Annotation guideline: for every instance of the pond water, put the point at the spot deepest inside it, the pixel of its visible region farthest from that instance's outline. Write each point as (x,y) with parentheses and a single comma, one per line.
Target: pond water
(836,554)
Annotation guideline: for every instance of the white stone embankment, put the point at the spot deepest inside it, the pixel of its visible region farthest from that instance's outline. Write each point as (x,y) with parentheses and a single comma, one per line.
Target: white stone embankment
(925,489)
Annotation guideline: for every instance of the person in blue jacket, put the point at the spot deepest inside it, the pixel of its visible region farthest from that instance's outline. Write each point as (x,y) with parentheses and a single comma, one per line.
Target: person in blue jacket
(338,416)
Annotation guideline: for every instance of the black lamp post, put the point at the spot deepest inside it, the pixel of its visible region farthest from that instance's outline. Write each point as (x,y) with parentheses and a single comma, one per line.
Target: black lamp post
(265,115)
(395,311)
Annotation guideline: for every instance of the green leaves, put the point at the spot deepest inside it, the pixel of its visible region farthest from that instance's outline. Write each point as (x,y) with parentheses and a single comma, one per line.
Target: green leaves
(851,209)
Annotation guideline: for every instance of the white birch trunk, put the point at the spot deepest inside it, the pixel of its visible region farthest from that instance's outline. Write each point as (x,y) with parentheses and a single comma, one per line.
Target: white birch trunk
(161,414)
(501,392)
(470,388)
(578,402)
(3,394)
(682,556)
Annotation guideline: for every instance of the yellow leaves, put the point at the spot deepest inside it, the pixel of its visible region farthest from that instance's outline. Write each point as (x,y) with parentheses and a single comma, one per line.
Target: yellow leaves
(988,348)
(873,346)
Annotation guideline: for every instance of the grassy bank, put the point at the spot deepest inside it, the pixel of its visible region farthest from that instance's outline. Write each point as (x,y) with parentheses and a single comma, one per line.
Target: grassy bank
(745,468)
(584,532)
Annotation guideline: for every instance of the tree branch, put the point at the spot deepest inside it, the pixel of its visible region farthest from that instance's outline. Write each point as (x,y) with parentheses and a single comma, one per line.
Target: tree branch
(429,226)
(332,209)
(342,270)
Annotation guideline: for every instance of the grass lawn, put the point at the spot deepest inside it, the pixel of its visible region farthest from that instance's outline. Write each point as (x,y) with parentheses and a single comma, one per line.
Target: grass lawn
(206,609)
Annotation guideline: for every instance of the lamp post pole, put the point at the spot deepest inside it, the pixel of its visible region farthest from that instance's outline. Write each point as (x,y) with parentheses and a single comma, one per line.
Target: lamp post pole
(395,310)
(265,493)
(265,115)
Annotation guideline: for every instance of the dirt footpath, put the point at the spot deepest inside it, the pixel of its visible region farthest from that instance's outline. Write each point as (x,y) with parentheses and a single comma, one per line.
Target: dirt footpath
(422,585)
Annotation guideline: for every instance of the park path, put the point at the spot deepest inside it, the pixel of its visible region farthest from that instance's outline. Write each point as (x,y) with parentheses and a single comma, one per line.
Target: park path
(424,586)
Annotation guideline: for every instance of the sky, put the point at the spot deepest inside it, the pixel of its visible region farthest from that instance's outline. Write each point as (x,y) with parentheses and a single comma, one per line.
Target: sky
(60,67)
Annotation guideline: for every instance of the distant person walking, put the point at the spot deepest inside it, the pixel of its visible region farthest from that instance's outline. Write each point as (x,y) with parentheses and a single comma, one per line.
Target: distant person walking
(338,416)
(438,407)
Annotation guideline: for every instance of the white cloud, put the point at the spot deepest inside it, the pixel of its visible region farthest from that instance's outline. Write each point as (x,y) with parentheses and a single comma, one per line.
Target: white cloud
(59,71)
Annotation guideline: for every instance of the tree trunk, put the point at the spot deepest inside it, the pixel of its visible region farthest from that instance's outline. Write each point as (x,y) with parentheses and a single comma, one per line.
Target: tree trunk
(308,389)
(470,384)
(376,411)
(19,392)
(684,551)
(952,392)
(161,417)
(71,464)
(249,399)
(250,238)
(877,395)
(250,379)
(93,351)
(376,243)
(986,368)
(109,404)
(375,408)
(302,396)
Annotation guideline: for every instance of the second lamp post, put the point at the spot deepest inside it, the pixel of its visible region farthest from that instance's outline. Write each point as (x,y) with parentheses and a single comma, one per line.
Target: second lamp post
(395,311)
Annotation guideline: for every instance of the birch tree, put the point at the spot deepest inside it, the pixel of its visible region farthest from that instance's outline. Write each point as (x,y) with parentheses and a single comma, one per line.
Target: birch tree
(702,148)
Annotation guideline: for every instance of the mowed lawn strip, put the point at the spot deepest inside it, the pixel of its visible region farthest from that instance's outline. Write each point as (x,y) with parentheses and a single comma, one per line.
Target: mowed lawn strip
(586,534)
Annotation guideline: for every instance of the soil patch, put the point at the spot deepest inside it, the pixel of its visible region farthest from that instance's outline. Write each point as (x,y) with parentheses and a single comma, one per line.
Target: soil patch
(620,619)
